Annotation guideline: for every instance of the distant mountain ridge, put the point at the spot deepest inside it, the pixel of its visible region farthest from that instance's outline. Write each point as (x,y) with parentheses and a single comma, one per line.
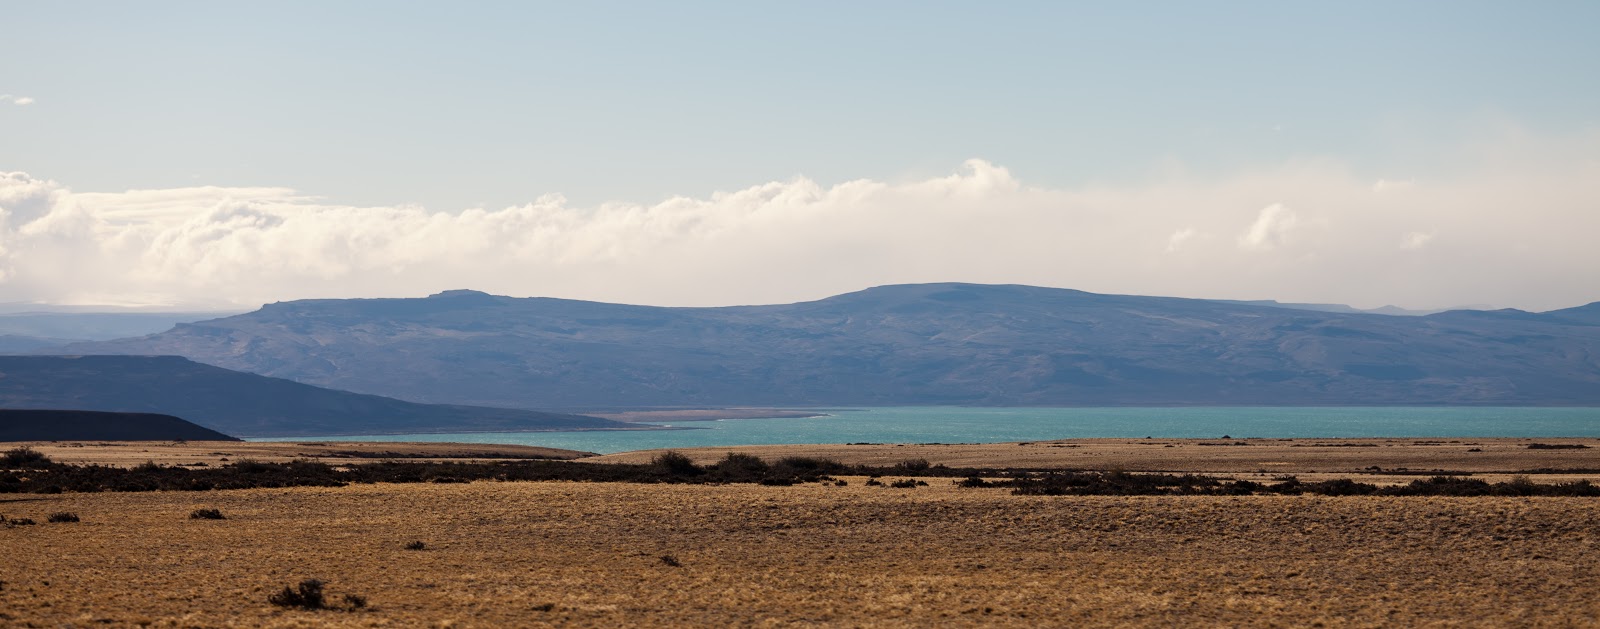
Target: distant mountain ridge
(1383,310)
(71,325)
(246,404)
(908,344)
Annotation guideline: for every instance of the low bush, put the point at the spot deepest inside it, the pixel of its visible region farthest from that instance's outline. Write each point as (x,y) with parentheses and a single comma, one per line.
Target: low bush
(673,467)
(307,595)
(206,514)
(912,466)
(62,516)
(676,464)
(417,545)
(24,457)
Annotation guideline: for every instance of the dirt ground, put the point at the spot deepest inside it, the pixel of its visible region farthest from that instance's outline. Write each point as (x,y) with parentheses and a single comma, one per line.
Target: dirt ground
(214,453)
(589,554)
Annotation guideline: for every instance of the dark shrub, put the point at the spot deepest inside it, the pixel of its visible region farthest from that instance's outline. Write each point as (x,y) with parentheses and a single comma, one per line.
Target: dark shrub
(742,462)
(811,464)
(354,601)
(308,595)
(205,514)
(807,469)
(971,481)
(1339,487)
(912,466)
(904,483)
(676,464)
(1557,446)
(24,457)
(669,560)
(62,516)
(417,545)
(743,468)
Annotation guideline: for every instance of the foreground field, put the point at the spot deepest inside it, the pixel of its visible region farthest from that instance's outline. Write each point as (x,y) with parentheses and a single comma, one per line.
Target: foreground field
(510,554)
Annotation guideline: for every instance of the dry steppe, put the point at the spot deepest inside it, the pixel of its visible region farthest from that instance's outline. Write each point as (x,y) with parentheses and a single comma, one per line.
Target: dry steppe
(592,554)
(589,554)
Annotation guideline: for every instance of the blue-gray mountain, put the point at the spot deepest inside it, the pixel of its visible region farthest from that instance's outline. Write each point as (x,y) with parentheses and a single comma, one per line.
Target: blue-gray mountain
(240,403)
(898,345)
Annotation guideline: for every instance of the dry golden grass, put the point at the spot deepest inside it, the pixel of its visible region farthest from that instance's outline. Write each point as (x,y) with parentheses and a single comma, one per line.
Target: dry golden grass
(214,453)
(586,554)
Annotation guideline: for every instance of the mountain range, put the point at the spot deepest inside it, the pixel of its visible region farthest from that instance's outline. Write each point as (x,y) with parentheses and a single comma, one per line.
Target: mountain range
(963,344)
(245,404)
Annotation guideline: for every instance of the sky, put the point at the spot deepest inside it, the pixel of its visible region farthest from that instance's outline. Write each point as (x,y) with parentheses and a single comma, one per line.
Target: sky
(224,155)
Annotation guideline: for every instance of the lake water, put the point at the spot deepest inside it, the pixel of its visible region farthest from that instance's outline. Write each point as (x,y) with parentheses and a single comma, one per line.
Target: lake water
(988,425)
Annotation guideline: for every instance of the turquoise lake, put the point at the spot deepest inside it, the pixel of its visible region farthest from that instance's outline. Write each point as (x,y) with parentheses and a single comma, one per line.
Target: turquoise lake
(989,425)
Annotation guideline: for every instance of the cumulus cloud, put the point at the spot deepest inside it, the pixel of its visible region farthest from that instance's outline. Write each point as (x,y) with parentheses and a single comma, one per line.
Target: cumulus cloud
(1176,240)
(1304,232)
(1270,229)
(16,100)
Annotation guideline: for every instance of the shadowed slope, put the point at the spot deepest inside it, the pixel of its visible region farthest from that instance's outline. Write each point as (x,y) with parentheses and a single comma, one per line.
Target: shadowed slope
(245,404)
(56,425)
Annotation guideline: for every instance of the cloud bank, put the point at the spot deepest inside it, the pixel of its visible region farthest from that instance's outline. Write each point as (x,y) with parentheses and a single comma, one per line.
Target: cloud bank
(1520,232)
(16,100)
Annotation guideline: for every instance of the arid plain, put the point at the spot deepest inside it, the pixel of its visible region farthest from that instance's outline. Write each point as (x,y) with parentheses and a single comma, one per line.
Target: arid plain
(602,554)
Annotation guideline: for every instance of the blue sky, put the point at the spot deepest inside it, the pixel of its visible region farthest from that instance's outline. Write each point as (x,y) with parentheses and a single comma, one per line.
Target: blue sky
(450,106)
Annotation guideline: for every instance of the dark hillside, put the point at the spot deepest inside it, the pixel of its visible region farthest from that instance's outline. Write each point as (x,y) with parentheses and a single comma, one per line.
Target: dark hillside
(64,425)
(246,404)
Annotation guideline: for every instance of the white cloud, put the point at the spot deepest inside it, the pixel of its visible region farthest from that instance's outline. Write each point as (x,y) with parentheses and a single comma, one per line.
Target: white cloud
(793,240)
(1418,240)
(1176,240)
(1270,229)
(16,100)
(1386,185)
